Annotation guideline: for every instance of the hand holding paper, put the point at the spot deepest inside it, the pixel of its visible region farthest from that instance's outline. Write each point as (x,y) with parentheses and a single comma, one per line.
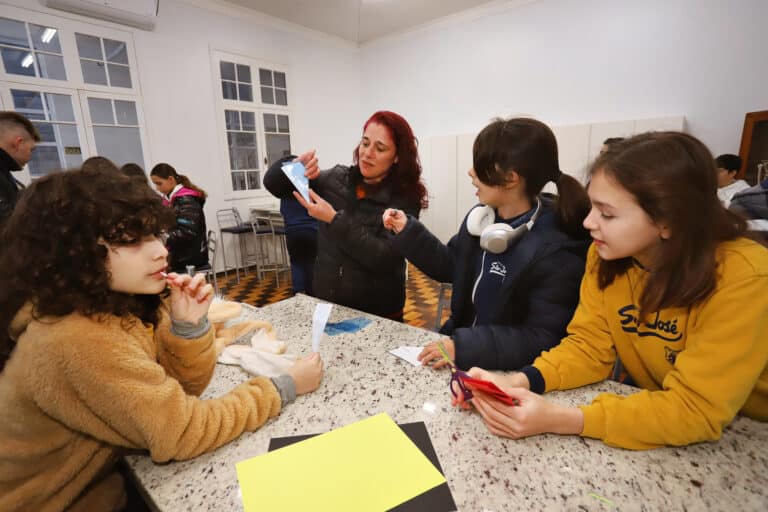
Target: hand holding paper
(319,319)
(295,172)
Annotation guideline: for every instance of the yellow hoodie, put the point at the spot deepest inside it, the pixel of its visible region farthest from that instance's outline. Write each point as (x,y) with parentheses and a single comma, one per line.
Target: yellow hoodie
(698,366)
(77,392)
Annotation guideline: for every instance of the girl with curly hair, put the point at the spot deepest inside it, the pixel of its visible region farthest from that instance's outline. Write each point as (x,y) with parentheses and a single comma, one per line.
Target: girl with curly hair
(101,351)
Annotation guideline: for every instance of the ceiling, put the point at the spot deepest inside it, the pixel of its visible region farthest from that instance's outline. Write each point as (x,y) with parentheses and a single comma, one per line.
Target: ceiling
(360,21)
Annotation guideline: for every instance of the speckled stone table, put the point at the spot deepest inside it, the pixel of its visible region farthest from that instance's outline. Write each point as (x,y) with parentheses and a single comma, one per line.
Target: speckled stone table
(484,472)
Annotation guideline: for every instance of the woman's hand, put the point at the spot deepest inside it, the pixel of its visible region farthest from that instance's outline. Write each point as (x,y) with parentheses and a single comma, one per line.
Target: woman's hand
(310,164)
(503,381)
(190,297)
(394,220)
(432,352)
(318,207)
(533,415)
(307,373)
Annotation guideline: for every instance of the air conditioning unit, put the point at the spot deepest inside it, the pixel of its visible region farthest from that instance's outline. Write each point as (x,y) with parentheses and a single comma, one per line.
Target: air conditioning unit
(135,13)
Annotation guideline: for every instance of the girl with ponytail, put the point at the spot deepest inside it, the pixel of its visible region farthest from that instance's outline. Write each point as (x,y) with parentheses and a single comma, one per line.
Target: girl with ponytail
(518,258)
(187,243)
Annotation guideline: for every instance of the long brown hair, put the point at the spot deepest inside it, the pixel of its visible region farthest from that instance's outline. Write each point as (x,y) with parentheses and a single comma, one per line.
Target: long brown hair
(529,148)
(673,178)
(52,253)
(405,174)
(166,171)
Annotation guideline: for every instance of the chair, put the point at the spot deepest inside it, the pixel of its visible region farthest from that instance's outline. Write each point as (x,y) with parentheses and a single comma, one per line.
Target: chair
(229,221)
(210,268)
(270,239)
(442,301)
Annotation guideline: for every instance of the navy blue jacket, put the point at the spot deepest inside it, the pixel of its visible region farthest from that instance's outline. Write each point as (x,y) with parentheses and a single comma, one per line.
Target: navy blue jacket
(537,299)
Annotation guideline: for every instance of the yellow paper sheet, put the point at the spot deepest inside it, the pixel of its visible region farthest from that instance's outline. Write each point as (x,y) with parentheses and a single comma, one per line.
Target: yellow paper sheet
(370,465)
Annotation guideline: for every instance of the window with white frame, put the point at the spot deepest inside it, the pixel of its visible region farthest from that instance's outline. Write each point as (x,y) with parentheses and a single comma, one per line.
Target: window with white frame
(76,82)
(255,120)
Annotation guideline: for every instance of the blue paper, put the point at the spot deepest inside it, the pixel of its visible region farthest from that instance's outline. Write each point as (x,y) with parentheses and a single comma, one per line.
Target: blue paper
(346,326)
(295,172)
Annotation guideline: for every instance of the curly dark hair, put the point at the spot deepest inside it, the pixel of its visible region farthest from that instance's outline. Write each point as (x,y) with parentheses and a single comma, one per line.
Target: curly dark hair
(53,254)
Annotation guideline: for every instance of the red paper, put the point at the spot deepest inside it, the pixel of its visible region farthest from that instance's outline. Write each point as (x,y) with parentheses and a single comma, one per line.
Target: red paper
(489,388)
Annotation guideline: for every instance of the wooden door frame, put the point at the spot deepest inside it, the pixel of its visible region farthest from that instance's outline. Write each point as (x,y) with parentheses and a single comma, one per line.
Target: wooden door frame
(750,120)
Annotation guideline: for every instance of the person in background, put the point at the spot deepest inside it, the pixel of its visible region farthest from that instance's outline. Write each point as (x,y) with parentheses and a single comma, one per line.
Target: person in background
(134,171)
(682,302)
(98,163)
(187,240)
(752,203)
(301,241)
(607,143)
(18,137)
(102,352)
(518,257)
(356,265)
(728,167)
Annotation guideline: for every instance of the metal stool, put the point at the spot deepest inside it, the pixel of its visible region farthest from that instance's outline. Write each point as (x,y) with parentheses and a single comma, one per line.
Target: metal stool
(229,221)
(442,301)
(210,269)
(270,239)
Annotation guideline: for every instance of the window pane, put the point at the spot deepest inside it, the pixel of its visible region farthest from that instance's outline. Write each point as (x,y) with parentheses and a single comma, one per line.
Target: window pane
(89,47)
(265,77)
(44,159)
(270,125)
(243,73)
(249,121)
(238,181)
(18,62)
(121,145)
(93,72)
(280,79)
(51,66)
(116,51)
(246,92)
(281,98)
(28,103)
(119,76)
(266,95)
(45,38)
(125,111)
(232,119)
(46,132)
(278,146)
(227,70)
(13,32)
(282,124)
(229,90)
(101,111)
(253,180)
(245,139)
(59,107)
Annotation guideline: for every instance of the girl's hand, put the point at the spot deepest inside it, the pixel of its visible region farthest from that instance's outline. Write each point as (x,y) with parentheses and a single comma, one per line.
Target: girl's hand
(307,373)
(310,164)
(502,380)
(533,415)
(394,220)
(431,352)
(190,297)
(318,207)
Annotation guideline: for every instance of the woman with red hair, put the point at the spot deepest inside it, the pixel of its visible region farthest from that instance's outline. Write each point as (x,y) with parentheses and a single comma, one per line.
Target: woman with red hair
(356,265)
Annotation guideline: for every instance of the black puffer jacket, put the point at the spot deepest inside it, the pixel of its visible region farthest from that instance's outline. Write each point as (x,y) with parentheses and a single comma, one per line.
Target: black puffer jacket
(537,299)
(356,265)
(9,187)
(187,243)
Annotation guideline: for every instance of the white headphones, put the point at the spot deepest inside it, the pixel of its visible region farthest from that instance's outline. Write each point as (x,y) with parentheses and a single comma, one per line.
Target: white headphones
(497,238)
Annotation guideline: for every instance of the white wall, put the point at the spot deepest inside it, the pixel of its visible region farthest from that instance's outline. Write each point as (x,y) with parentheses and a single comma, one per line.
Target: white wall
(569,62)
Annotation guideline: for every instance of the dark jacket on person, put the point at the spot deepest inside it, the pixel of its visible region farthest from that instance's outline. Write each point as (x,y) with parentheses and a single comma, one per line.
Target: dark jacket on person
(187,240)
(10,187)
(356,265)
(752,203)
(535,302)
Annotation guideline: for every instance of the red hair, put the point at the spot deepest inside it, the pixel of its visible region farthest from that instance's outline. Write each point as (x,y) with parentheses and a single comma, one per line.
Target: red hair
(405,175)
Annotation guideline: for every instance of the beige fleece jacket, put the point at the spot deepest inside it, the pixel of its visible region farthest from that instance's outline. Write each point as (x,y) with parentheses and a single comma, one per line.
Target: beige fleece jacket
(76,392)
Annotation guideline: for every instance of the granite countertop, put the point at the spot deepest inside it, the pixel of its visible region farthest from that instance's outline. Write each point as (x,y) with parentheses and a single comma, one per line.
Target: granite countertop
(484,472)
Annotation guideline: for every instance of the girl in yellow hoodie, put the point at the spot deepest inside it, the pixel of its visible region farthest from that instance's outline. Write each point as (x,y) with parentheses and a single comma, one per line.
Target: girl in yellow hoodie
(95,357)
(673,290)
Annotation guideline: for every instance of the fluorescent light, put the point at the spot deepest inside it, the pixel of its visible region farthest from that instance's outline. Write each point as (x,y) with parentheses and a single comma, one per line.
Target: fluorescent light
(48,35)
(28,60)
